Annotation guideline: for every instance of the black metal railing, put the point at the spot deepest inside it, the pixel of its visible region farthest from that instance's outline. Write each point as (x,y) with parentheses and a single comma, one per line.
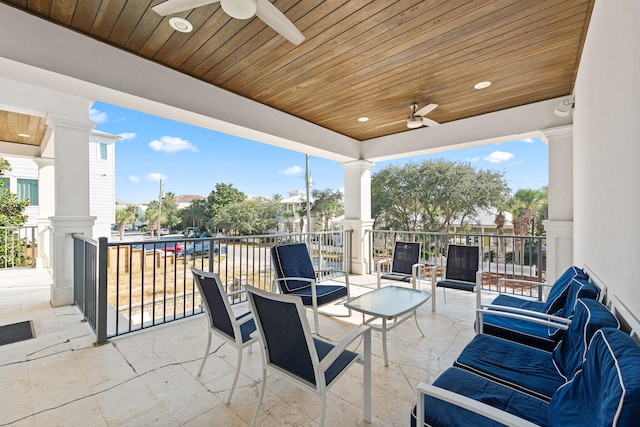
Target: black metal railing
(508,256)
(18,246)
(89,282)
(150,283)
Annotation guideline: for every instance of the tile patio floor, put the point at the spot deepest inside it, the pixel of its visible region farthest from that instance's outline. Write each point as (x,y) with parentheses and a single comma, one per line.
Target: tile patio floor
(149,377)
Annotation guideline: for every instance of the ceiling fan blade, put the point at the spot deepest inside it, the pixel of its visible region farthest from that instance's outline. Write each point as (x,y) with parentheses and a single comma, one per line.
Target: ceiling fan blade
(429,122)
(426,109)
(392,123)
(277,20)
(171,7)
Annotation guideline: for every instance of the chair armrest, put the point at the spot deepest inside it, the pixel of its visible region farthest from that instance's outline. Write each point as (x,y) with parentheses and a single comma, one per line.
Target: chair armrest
(233,293)
(342,346)
(301,279)
(502,280)
(245,319)
(466,403)
(556,322)
(503,308)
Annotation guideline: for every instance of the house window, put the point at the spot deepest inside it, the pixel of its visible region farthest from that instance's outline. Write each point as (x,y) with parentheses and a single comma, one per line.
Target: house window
(5,182)
(28,189)
(103,151)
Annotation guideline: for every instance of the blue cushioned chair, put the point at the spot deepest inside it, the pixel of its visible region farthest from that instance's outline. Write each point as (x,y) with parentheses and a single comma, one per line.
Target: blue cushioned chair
(604,392)
(462,272)
(290,351)
(405,264)
(533,371)
(223,323)
(295,275)
(540,335)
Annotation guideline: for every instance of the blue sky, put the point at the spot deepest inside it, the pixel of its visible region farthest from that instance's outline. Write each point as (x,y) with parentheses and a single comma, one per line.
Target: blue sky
(193,160)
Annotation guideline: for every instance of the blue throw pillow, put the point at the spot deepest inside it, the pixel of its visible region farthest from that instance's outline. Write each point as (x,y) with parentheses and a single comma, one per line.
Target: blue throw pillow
(558,293)
(589,316)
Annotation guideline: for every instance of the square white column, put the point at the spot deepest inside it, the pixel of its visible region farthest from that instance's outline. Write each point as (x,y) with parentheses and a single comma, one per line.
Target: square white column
(357,211)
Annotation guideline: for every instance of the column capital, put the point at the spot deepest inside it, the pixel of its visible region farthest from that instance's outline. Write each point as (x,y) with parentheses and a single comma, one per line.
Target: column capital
(557,132)
(358,164)
(44,161)
(78,123)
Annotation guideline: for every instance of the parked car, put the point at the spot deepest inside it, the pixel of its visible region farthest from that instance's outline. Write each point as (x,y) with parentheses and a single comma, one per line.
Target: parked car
(197,248)
(162,246)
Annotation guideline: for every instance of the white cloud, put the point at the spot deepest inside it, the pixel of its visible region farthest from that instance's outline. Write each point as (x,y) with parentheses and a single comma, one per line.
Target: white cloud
(473,159)
(293,170)
(172,144)
(133,179)
(499,157)
(127,135)
(155,176)
(528,140)
(97,116)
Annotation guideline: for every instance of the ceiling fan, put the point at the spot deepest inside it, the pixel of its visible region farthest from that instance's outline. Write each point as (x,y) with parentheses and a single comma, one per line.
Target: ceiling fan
(417,118)
(240,9)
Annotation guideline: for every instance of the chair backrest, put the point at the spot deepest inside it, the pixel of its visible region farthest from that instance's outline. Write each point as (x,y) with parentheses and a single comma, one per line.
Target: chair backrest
(462,263)
(292,260)
(405,255)
(606,391)
(285,334)
(558,293)
(215,301)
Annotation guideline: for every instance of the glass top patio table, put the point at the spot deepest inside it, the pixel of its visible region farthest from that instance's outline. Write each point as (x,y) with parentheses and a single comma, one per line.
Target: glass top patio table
(392,303)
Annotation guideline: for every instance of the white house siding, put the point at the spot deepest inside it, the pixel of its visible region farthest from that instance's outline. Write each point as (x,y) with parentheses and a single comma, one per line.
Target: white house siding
(102,183)
(22,168)
(607,150)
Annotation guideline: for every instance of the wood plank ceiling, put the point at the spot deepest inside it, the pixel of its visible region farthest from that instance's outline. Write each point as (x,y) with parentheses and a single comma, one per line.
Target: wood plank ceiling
(360,58)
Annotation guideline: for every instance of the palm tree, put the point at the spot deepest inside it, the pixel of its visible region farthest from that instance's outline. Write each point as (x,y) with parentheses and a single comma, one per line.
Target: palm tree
(523,206)
(288,216)
(125,216)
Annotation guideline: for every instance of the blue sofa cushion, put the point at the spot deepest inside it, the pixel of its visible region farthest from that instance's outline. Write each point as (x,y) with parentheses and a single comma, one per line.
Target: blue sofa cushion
(439,413)
(520,331)
(523,368)
(558,293)
(606,391)
(517,302)
(589,316)
(292,260)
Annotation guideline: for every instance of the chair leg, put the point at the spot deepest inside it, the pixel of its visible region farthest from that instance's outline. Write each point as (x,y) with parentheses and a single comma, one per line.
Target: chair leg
(445,295)
(323,407)
(206,354)
(235,378)
(315,320)
(264,381)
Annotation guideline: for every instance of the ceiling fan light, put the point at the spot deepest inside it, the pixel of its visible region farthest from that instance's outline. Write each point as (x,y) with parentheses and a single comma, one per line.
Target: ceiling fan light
(414,122)
(239,9)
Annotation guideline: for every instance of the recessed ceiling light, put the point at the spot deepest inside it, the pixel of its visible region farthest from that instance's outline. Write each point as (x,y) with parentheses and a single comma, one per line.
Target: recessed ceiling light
(363,119)
(24,135)
(180,24)
(482,85)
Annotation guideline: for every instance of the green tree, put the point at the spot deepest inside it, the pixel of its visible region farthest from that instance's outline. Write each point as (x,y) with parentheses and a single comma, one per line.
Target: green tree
(288,217)
(125,216)
(170,214)
(255,216)
(431,195)
(223,195)
(150,216)
(12,247)
(326,204)
(193,215)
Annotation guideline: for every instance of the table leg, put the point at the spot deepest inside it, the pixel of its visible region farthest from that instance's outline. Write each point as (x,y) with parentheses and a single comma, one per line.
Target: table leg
(415,316)
(384,341)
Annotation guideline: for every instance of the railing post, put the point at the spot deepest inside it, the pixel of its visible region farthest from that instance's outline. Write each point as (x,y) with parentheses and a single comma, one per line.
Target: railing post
(101,308)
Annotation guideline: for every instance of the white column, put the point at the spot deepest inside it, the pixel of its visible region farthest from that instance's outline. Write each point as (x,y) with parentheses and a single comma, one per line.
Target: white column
(357,211)
(71,183)
(559,226)
(46,209)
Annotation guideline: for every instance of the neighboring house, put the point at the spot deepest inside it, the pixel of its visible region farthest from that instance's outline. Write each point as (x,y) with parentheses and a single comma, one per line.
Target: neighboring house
(186,199)
(23,181)
(483,222)
(295,203)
